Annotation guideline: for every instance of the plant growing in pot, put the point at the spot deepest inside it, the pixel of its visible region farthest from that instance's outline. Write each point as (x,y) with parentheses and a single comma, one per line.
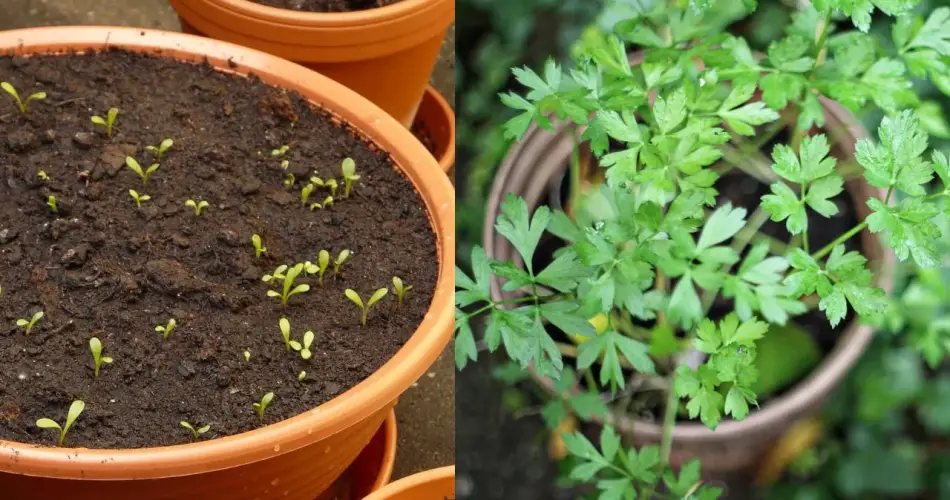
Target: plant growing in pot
(172,289)
(700,253)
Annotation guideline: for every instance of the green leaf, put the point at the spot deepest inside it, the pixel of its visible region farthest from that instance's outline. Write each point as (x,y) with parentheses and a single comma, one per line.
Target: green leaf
(788,54)
(708,339)
(736,404)
(564,273)
(743,119)
(684,306)
(935,33)
(941,166)
(465,349)
(909,229)
(820,193)
(886,84)
(932,119)
(723,224)
(779,88)
(748,332)
(896,161)
(784,204)
(706,404)
(514,225)
(853,53)
(669,112)
(834,306)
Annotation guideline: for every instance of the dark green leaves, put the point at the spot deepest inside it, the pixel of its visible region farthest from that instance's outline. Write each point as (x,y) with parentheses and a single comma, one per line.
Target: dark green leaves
(815,169)
(844,280)
(617,471)
(909,229)
(608,348)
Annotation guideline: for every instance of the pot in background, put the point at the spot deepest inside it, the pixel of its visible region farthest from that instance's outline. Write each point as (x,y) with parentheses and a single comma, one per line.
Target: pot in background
(298,458)
(436,122)
(372,469)
(386,54)
(436,484)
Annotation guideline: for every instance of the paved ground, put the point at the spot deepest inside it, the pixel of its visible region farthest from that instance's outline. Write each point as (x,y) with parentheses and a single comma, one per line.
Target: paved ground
(427,412)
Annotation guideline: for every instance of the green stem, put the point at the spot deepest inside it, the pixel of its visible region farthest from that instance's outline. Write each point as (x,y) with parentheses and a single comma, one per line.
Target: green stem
(805,232)
(841,239)
(575,170)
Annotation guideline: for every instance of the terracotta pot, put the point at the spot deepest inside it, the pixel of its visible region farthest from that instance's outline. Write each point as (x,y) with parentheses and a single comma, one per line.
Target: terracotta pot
(372,469)
(301,456)
(539,162)
(385,54)
(436,120)
(436,484)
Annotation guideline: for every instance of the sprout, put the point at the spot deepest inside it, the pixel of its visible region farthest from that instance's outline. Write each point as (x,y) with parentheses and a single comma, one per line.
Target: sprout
(29,324)
(281,151)
(340,259)
(139,198)
(23,105)
(289,289)
(400,289)
(51,203)
(108,122)
(278,275)
(247,355)
(260,407)
(285,333)
(198,206)
(305,352)
(330,184)
(323,261)
(167,329)
(302,376)
(289,181)
(161,148)
(135,167)
(95,346)
(305,194)
(327,202)
(349,175)
(75,410)
(285,164)
(196,433)
(42,175)
(364,308)
(258,245)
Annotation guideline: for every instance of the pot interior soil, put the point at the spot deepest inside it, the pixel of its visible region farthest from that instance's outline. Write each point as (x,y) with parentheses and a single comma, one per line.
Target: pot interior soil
(326,5)
(102,268)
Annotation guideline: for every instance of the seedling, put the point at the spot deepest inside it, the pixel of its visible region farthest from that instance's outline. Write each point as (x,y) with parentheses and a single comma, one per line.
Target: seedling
(160,150)
(323,261)
(258,246)
(51,203)
(280,151)
(42,175)
(29,324)
(24,105)
(135,167)
(139,198)
(302,376)
(167,329)
(247,356)
(260,407)
(330,184)
(365,308)
(305,352)
(327,202)
(340,259)
(289,181)
(289,289)
(400,289)
(196,433)
(305,194)
(285,164)
(75,410)
(285,333)
(278,275)
(108,122)
(95,346)
(197,206)
(349,176)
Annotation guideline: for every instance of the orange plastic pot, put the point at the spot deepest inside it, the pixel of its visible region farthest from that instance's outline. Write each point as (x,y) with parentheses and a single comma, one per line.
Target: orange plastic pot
(436,484)
(372,469)
(436,120)
(296,459)
(386,54)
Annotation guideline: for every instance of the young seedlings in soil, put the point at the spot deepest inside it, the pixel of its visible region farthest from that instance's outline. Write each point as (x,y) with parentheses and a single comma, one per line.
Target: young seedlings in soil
(301,376)
(323,262)
(277,276)
(197,206)
(285,333)
(247,356)
(29,324)
(285,164)
(340,259)
(259,248)
(161,149)
(95,346)
(134,166)
(75,409)
(51,203)
(43,175)
(305,194)
(305,352)
(349,176)
(139,198)
(108,122)
(280,151)
(260,407)
(289,289)
(330,184)
(400,289)
(289,181)
(365,308)
(195,433)
(167,329)
(24,105)
(327,202)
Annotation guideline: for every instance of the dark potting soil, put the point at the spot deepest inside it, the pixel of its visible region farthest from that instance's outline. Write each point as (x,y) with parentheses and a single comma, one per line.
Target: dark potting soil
(102,268)
(326,5)
(422,133)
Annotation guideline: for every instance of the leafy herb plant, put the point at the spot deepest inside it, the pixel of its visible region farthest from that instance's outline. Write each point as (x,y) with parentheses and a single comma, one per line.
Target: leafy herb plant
(134,166)
(327,203)
(28,325)
(75,409)
(365,306)
(108,122)
(139,198)
(349,176)
(195,433)
(95,347)
(167,329)
(261,406)
(289,289)
(51,203)
(197,206)
(400,289)
(259,248)
(22,104)
(162,148)
(340,259)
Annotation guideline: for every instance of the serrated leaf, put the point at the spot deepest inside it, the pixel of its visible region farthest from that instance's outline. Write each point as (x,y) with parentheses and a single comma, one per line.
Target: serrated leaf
(736,404)
(896,161)
(834,306)
(789,54)
(523,234)
(670,111)
(909,229)
(465,349)
(820,193)
(935,33)
(784,204)
(723,224)
(564,272)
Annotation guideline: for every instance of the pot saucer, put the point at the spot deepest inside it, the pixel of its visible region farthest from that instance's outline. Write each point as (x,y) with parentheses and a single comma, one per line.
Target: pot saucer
(371,470)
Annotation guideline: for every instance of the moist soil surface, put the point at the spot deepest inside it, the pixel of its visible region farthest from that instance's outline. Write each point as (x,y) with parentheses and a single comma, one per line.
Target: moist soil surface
(326,5)
(102,268)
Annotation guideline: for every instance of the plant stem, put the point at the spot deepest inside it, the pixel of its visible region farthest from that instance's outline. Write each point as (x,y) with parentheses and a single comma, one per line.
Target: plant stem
(805,232)
(841,239)
(575,170)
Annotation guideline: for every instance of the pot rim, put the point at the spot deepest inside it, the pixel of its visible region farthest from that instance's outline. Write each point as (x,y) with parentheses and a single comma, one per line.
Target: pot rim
(447,159)
(802,395)
(378,15)
(374,393)
(407,483)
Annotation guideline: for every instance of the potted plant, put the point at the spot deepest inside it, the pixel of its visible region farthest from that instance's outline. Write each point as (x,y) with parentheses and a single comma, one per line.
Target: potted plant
(165,252)
(359,43)
(655,292)
(437,484)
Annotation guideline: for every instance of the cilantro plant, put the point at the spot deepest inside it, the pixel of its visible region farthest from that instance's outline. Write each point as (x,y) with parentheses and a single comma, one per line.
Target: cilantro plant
(289,289)
(653,249)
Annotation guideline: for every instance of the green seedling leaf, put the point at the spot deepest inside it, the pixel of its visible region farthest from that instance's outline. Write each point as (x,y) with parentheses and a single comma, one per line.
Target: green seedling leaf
(365,307)
(323,261)
(285,333)
(95,346)
(305,194)
(51,203)
(167,329)
(247,355)
(262,405)
(195,433)
(289,289)
(277,276)
(139,198)
(134,166)
(327,203)
(30,323)
(305,352)
(302,375)
(400,290)
(280,151)
(258,246)
(75,409)
(21,104)
(160,150)
(197,206)
(349,176)
(108,122)
(340,259)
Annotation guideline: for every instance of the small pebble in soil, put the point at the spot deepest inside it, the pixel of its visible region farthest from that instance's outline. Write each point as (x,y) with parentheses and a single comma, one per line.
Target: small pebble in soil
(84,140)
(7,235)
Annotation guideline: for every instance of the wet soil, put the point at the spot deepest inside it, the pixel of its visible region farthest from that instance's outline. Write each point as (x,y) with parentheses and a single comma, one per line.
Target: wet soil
(326,5)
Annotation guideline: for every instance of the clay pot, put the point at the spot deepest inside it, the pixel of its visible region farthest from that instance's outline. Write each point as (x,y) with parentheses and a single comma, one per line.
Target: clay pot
(436,121)
(372,469)
(386,54)
(436,484)
(537,164)
(300,457)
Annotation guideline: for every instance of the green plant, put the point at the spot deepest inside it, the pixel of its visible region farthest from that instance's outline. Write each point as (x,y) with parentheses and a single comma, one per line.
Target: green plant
(323,261)
(167,329)
(340,259)
(258,246)
(162,148)
(327,202)
(349,176)
(365,307)
(247,355)
(108,122)
(262,405)
(51,203)
(400,289)
(24,105)
(285,164)
(134,166)
(75,409)
(289,181)
(305,194)
(43,175)
(330,184)
(195,433)
(30,323)
(277,276)
(304,349)
(302,375)
(197,206)
(95,347)
(280,151)
(285,333)
(139,198)
(289,289)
